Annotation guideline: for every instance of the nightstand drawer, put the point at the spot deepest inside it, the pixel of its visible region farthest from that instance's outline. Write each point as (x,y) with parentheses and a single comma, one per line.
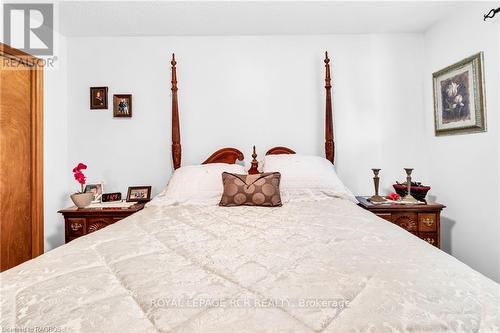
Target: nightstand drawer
(75,227)
(385,216)
(430,237)
(94,224)
(421,220)
(406,220)
(427,222)
(83,221)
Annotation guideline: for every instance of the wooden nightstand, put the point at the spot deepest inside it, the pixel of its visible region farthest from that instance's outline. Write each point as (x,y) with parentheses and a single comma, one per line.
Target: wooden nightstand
(420,220)
(79,222)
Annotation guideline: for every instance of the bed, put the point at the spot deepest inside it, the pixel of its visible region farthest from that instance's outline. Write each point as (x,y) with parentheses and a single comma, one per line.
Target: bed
(308,266)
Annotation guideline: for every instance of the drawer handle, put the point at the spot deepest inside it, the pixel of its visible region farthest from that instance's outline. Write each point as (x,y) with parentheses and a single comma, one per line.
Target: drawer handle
(429,240)
(75,226)
(428,221)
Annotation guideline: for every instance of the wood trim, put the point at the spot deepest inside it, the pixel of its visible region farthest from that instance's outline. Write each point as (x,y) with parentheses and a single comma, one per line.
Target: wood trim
(19,55)
(37,221)
(37,238)
(329,144)
(225,155)
(176,132)
(279,151)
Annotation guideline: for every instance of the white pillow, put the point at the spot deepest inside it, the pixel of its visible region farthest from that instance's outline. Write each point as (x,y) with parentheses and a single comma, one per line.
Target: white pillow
(196,185)
(307,178)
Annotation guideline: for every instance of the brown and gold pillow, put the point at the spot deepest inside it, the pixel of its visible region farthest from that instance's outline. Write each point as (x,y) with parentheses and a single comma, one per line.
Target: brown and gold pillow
(251,190)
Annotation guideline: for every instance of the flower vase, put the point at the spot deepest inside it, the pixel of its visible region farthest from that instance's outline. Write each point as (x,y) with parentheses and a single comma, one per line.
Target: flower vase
(82,200)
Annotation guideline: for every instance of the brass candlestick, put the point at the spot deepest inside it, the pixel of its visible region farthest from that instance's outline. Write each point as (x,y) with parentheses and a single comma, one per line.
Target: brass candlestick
(376,179)
(408,197)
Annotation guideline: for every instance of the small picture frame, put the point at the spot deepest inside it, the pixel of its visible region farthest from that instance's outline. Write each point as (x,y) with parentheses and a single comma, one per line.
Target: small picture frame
(122,106)
(139,194)
(97,189)
(98,98)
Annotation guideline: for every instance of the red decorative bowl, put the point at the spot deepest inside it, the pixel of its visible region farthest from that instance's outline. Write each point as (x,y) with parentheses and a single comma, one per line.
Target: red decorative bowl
(418,192)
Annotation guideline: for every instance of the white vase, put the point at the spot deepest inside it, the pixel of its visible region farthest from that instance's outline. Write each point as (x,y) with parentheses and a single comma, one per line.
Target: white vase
(82,200)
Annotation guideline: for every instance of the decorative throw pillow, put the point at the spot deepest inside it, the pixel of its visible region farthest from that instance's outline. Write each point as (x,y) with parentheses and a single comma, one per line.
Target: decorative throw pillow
(251,190)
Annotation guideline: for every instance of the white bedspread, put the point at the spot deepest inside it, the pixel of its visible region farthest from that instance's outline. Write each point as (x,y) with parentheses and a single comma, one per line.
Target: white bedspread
(311,266)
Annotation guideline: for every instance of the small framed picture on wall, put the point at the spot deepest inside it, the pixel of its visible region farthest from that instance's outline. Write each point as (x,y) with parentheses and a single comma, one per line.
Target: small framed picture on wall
(139,193)
(98,98)
(122,105)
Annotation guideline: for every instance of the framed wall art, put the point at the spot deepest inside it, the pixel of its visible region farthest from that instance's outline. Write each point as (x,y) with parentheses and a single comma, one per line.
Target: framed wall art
(459,105)
(122,105)
(98,98)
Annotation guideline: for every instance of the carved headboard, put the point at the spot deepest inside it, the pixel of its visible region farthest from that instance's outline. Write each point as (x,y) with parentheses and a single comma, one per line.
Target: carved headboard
(231,155)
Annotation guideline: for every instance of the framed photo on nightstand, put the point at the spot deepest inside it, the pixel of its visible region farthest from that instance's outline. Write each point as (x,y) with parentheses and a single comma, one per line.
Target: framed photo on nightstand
(139,193)
(97,189)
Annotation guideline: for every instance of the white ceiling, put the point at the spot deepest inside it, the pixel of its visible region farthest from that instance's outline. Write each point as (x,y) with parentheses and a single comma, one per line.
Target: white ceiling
(164,18)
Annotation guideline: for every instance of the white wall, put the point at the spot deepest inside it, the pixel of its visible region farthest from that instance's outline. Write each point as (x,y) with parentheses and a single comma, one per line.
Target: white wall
(56,168)
(241,91)
(464,169)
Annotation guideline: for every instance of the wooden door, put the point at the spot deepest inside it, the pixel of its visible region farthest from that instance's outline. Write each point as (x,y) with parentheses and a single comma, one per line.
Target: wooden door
(21,159)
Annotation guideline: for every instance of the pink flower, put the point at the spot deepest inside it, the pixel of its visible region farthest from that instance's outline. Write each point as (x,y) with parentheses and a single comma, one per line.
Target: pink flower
(79,167)
(78,174)
(80,177)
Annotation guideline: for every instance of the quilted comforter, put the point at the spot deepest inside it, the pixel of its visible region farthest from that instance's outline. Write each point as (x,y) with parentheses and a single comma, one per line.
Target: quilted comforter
(325,266)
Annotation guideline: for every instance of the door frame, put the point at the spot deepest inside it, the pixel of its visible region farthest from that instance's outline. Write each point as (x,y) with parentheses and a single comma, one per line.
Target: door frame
(37,237)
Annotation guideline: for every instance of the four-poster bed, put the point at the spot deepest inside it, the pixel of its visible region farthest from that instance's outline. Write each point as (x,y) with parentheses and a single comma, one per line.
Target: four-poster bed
(230,155)
(184,264)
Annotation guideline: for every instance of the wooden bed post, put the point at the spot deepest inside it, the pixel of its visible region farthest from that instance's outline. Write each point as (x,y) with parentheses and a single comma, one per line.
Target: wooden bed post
(254,169)
(329,144)
(176,133)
